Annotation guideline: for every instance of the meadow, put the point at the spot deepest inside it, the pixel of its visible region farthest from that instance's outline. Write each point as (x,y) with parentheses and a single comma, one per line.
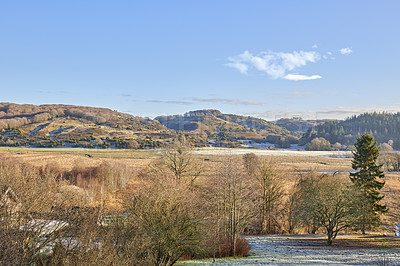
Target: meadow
(105,178)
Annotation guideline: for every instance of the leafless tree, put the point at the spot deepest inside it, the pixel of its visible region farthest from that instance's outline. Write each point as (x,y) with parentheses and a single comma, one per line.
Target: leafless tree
(181,162)
(270,195)
(331,201)
(232,201)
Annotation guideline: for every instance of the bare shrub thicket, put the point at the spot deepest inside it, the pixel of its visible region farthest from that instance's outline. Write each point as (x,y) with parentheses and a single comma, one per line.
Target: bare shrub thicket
(390,161)
(169,217)
(93,183)
(27,210)
(268,182)
(232,201)
(270,196)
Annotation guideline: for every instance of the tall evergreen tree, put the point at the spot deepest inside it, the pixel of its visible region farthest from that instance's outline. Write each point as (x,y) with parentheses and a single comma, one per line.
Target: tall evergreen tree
(367,177)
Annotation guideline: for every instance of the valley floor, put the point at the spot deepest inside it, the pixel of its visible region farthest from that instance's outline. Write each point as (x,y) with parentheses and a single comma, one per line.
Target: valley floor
(312,250)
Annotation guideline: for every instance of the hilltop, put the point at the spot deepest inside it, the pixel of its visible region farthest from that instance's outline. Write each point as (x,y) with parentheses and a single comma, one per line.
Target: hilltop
(76,126)
(228,127)
(212,121)
(297,124)
(53,125)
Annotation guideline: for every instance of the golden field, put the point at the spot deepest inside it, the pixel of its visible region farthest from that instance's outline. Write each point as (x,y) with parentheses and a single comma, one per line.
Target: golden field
(289,163)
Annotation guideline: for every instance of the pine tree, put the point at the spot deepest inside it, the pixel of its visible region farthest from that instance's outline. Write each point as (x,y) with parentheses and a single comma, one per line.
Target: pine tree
(367,177)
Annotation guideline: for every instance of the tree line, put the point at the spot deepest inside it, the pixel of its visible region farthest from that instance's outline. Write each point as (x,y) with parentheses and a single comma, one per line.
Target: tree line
(385,128)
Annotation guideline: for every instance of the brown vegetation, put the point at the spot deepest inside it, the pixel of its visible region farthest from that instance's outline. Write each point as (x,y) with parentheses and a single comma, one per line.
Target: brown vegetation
(146,203)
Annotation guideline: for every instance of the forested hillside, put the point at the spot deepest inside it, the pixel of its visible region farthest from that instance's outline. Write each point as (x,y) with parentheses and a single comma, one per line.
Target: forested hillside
(227,129)
(89,127)
(215,121)
(76,126)
(385,127)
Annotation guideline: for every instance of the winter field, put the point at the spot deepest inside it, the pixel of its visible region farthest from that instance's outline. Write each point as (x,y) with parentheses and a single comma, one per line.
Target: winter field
(280,152)
(312,250)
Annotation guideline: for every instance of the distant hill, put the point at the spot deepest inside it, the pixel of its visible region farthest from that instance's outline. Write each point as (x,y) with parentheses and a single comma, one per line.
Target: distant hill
(228,127)
(385,127)
(55,125)
(298,124)
(76,126)
(212,121)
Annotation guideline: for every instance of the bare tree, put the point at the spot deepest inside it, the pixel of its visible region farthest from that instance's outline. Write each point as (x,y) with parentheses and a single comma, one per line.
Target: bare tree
(270,191)
(232,202)
(292,207)
(331,201)
(250,162)
(180,160)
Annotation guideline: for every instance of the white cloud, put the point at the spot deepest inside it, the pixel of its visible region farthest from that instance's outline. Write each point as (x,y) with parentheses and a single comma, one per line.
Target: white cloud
(301,77)
(345,51)
(227,101)
(297,94)
(239,66)
(340,112)
(314,46)
(274,64)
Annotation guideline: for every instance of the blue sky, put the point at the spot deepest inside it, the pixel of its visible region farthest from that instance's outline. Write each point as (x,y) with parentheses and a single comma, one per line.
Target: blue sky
(271,59)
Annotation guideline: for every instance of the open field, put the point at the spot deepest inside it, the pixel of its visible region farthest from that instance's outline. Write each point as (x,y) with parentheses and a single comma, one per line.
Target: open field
(275,249)
(312,250)
(238,151)
(66,159)
(290,162)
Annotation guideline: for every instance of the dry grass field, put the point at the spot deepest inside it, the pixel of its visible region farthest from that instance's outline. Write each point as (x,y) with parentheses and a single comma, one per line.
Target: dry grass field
(133,163)
(290,163)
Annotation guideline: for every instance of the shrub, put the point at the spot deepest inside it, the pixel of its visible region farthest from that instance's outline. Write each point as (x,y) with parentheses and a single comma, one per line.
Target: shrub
(318,144)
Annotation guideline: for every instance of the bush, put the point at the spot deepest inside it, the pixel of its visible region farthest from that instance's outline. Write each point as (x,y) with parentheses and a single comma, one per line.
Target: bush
(242,248)
(318,144)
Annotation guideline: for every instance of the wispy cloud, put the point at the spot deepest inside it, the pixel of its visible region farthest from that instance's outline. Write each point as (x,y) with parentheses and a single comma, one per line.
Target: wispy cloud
(345,51)
(301,77)
(227,101)
(340,112)
(297,94)
(349,111)
(315,46)
(169,102)
(52,92)
(243,68)
(274,64)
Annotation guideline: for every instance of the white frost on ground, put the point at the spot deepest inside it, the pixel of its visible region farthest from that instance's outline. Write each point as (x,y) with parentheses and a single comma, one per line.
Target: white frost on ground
(281,152)
(288,250)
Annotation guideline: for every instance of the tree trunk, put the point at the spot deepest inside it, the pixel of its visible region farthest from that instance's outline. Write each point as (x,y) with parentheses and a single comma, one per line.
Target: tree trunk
(330,238)
(363,229)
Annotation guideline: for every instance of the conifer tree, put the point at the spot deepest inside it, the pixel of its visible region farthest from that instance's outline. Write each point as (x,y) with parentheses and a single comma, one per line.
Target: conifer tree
(368,177)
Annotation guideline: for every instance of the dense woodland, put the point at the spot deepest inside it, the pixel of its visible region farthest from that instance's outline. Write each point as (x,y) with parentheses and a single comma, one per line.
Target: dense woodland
(385,127)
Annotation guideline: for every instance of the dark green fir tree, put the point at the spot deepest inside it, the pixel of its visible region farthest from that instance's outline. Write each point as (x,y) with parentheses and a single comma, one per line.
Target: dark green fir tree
(367,176)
